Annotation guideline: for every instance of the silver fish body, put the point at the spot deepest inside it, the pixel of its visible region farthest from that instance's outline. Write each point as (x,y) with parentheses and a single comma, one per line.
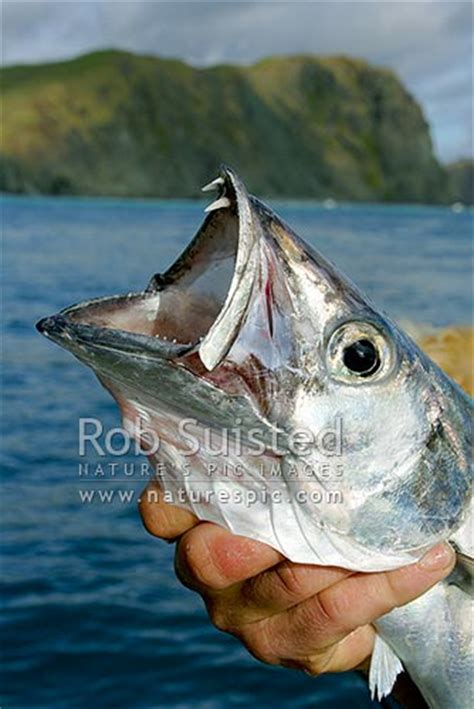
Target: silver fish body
(256,338)
(433,637)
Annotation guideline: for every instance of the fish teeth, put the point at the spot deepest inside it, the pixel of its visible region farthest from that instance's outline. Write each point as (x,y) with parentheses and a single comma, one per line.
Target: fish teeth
(214,185)
(218,204)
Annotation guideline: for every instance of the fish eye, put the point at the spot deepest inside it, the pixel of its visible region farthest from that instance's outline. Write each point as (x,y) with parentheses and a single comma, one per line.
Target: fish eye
(361,357)
(359,351)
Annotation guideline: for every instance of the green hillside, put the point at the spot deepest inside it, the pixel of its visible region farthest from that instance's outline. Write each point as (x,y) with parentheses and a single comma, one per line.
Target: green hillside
(461,176)
(112,123)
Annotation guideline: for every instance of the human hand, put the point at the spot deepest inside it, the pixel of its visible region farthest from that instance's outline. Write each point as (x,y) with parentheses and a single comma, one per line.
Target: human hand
(314,618)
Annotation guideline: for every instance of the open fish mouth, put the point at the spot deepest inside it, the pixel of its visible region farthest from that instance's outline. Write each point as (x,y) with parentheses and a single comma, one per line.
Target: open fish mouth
(196,305)
(245,283)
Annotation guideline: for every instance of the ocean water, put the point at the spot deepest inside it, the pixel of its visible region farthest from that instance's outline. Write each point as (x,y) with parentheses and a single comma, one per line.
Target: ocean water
(92,613)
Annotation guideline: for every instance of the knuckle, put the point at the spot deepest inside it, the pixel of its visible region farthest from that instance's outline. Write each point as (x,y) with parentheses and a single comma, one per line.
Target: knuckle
(195,562)
(259,642)
(314,665)
(181,568)
(309,625)
(335,608)
(319,664)
(145,516)
(219,616)
(389,590)
(289,580)
(153,516)
(143,504)
(188,563)
(150,520)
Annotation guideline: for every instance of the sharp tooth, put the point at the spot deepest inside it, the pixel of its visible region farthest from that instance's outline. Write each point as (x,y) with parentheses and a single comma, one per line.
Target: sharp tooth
(218,204)
(214,185)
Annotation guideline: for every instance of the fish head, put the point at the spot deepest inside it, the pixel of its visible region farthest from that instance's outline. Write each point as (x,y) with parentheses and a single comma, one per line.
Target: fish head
(252,326)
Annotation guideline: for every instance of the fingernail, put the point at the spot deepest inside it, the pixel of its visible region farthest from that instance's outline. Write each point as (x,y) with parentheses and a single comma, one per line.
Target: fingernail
(438,558)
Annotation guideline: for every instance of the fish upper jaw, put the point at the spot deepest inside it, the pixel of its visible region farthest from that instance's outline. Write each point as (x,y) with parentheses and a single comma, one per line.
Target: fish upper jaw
(220,337)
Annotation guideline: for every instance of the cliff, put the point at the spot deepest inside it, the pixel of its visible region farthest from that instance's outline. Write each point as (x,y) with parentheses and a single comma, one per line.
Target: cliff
(112,123)
(461,177)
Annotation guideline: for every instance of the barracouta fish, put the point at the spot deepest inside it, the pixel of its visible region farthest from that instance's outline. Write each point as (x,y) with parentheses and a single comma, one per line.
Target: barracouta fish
(254,333)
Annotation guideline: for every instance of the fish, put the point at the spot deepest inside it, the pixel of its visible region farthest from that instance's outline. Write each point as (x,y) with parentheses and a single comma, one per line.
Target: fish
(343,443)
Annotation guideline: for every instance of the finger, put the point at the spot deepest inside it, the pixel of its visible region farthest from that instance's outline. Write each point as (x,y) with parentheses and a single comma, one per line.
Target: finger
(378,594)
(288,584)
(348,654)
(161,519)
(271,592)
(355,601)
(209,558)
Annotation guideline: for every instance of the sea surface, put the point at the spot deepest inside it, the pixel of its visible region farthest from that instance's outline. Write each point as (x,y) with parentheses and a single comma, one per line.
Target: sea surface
(92,614)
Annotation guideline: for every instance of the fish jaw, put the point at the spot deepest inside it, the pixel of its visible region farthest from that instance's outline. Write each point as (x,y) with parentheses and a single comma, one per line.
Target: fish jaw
(236,299)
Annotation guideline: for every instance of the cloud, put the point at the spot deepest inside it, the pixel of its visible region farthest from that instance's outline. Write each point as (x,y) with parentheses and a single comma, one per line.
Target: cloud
(429,43)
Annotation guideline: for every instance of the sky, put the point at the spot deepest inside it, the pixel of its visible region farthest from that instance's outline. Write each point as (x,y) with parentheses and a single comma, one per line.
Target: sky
(428,43)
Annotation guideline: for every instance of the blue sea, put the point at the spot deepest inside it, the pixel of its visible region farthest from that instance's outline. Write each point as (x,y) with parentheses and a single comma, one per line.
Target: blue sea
(92,614)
